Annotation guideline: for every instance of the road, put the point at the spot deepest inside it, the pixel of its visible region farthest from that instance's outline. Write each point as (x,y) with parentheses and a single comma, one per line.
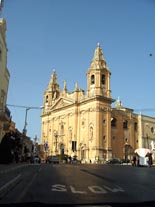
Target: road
(78,184)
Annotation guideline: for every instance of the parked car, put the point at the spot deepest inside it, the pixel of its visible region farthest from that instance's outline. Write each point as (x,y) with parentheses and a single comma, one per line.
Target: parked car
(114,161)
(52,159)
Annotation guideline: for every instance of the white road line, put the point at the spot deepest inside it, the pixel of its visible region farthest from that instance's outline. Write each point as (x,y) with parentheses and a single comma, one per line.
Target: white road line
(25,190)
(8,184)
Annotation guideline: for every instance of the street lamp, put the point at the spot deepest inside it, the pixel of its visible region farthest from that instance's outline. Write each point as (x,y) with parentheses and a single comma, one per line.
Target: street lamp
(127,146)
(147,138)
(46,149)
(56,140)
(25,123)
(148,129)
(27,108)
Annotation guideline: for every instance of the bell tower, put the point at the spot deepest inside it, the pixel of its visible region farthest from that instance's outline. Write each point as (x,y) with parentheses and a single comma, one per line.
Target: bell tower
(98,76)
(52,92)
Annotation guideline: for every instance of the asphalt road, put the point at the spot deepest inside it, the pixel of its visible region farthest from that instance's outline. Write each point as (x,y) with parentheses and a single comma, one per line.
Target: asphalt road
(78,184)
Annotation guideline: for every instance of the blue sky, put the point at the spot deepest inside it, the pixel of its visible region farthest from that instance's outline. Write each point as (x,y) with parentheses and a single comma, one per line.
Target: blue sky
(63,34)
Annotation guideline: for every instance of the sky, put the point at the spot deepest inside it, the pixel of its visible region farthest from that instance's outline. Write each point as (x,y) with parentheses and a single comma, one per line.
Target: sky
(43,35)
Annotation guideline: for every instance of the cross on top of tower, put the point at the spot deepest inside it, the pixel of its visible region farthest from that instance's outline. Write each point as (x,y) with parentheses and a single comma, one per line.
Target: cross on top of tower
(98,44)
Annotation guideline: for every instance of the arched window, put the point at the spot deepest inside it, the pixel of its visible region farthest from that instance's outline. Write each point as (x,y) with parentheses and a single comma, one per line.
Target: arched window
(125,124)
(152,129)
(103,79)
(91,132)
(92,79)
(46,99)
(113,122)
(135,126)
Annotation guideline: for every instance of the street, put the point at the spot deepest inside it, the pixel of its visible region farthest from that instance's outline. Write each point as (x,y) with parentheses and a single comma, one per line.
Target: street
(77,184)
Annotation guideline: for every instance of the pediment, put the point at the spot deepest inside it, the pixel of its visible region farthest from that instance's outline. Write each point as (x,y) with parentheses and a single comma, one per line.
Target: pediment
(62,102)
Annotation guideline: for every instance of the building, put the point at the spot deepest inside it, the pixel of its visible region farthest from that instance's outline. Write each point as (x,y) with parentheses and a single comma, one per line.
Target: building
(146,135)
(86,125)
(131,131)
(124,130)
(79,124)
(5,117)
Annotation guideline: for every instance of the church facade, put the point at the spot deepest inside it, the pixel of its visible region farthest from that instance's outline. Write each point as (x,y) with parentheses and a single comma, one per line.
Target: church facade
(77,124)
(85,125)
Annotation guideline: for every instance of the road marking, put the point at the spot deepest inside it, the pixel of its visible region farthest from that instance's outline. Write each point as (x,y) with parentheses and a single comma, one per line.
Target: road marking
(114,190)
(77,191)
(97,189)
(10,183)
(93,189)
(59,188)
(23,193)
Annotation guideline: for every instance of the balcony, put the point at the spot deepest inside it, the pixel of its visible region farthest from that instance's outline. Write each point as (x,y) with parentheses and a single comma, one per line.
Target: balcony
(5,114)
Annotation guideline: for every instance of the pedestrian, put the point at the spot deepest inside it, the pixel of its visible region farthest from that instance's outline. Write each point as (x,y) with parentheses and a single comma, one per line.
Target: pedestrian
(149,160)
(137,160)
(69,159)
(134,160)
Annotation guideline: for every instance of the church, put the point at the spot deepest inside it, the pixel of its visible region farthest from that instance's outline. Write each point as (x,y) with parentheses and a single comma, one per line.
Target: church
(78,123)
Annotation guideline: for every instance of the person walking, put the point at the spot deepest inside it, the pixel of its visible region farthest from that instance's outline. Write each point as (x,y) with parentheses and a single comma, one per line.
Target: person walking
(149,159)
(134,160)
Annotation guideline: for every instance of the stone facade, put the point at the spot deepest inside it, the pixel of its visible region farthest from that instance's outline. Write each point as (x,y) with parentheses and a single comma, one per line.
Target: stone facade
(124,126)
(131,131)
(146,133)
